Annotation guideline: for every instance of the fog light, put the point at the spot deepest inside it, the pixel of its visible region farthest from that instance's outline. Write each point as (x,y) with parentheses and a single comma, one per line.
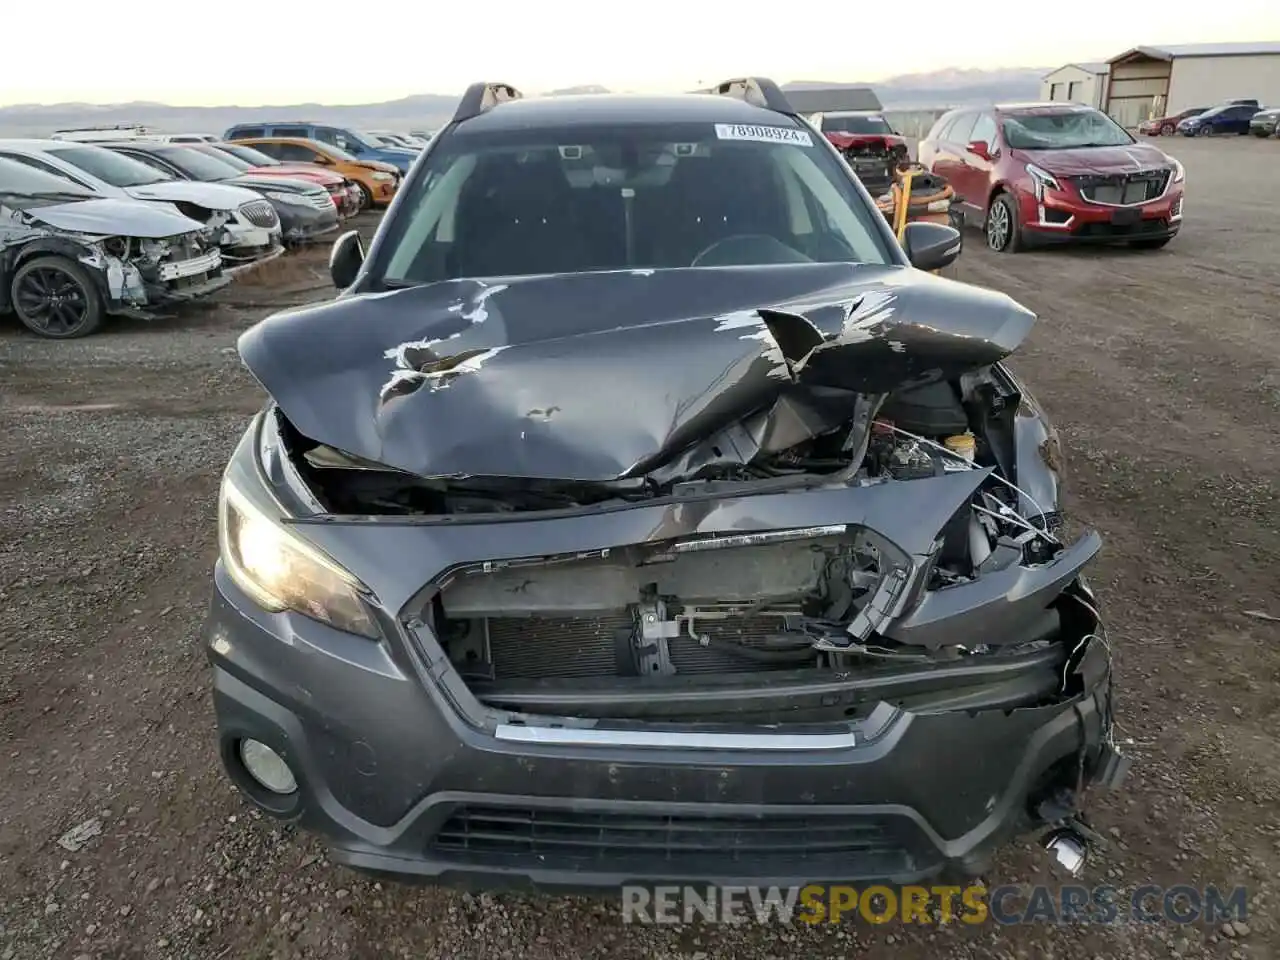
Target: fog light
(267,767)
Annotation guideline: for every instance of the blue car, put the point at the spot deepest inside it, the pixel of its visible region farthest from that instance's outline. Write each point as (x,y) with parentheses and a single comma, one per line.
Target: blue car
(358,144)
(1228,118)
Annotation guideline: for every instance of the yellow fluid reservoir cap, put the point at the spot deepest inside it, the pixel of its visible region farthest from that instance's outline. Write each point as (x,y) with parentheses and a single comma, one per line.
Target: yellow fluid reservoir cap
(962,444)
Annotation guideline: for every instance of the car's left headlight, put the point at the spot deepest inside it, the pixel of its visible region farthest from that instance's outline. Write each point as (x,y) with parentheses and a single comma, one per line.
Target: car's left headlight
(293,198)
(1179,174)
(382,175)
(283,572)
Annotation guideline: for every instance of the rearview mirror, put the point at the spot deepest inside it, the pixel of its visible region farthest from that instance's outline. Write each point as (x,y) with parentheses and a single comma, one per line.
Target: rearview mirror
(979,149)
(346,258)
(929,246)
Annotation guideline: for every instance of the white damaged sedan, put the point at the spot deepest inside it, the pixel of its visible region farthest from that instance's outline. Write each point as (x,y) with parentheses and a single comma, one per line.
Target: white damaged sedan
(69,259)
(246,226)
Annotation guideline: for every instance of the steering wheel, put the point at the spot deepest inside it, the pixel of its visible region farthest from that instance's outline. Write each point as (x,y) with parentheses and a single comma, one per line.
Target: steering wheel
(726,245)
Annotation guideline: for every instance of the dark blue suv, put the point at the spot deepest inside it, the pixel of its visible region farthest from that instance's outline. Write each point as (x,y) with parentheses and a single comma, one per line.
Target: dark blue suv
(353,141)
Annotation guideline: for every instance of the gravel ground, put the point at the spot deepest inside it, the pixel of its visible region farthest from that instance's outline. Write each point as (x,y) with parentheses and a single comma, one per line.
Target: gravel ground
(1160,369)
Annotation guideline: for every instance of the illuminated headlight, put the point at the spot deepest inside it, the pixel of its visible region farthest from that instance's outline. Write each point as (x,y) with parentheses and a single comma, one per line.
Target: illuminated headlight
(282,572)
(381,175)
(293,198)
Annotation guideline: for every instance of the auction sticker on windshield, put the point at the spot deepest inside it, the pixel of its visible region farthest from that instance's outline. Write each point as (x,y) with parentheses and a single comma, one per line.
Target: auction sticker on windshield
(748,131)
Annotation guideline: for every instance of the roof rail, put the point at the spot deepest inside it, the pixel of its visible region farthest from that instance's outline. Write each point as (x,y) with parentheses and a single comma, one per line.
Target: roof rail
(484,96)
(759,91)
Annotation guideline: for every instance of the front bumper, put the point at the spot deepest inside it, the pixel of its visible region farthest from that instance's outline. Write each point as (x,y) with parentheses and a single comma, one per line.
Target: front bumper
(1061,216)
(304,224)
(399,783)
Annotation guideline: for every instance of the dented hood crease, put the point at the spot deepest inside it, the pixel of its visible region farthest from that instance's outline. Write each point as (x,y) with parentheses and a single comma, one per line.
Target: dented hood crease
(603,376)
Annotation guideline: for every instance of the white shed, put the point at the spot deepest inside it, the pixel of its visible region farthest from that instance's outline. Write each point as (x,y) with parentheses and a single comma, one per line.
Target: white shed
(1160,81)
(1077,82)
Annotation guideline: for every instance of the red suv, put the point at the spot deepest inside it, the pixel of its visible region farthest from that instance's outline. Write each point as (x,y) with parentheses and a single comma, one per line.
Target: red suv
(1043,172)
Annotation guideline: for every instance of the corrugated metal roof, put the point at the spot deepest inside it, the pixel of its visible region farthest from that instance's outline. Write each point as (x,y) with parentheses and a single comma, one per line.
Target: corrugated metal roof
(830,98)
(1095,68)
(1260,48)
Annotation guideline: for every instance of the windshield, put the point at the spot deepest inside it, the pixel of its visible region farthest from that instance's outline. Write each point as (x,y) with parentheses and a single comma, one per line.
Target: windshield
(111,167)
(226,158)
(1063,131)
(865,123)
(23,187)
(249,155)
(589,198)
(197,165)
(365,139)
(336,152)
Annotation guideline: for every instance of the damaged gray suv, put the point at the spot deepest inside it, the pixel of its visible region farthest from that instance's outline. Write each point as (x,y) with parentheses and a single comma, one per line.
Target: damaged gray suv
(641,510)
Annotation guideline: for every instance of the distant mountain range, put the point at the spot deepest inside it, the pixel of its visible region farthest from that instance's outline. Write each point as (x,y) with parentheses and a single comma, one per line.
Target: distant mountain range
(940,88)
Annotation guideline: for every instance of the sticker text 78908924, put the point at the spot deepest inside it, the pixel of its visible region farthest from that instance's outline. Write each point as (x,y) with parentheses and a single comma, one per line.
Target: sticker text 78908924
(763,134)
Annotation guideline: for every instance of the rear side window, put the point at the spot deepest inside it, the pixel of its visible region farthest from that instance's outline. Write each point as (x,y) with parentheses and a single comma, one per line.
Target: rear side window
(963,129)
(652,196)
(290,151)
(244,133)
(941,126)
(291,132)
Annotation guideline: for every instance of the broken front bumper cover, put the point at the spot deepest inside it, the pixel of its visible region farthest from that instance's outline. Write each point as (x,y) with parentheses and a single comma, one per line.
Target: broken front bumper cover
(388,771)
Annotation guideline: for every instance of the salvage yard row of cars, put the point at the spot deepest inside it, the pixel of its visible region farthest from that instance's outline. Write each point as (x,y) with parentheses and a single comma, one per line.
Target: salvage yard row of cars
(1234,116)
(121,223)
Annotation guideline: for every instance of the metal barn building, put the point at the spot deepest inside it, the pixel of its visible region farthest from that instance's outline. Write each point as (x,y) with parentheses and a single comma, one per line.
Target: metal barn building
(1158,81)
(1077,82)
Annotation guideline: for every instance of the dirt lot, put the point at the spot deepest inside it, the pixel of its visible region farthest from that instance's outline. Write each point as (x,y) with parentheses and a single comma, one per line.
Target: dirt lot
(1162,370)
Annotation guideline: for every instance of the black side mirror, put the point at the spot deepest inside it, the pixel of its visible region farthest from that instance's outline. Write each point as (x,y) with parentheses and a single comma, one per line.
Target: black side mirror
(929,246)
(346,258)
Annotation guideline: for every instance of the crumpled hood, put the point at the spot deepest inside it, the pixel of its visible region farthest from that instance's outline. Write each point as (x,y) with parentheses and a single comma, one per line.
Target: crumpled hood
(1098,160)
(115,218)
(215,196)
(602,376)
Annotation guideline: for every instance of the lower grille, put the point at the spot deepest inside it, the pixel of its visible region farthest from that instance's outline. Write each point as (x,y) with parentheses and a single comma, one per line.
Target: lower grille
(619,840)
(260,213)
(1124,189)
(1140,229)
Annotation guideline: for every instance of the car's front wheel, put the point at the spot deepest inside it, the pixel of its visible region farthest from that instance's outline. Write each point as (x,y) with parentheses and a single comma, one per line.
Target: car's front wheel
(1002,230)
(55,297)
(1166,130)
(366,197)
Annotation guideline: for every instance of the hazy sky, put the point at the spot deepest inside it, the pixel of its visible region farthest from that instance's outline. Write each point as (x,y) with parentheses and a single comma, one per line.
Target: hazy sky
(273,52)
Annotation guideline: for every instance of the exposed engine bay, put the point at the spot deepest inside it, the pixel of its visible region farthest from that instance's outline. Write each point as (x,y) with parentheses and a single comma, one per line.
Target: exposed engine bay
(928,559)
(818,600)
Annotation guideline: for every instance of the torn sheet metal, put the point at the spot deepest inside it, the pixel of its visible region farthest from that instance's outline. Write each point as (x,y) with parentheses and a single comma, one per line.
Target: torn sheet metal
(457,378)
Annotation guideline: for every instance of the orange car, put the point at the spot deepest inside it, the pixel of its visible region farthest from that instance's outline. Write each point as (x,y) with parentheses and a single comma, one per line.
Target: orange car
(378,181)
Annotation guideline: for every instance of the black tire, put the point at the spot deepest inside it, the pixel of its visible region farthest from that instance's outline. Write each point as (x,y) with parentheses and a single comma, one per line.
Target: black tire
(1150,244)
(367,194)
(1004,210)
(1167,130)
(55,297)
